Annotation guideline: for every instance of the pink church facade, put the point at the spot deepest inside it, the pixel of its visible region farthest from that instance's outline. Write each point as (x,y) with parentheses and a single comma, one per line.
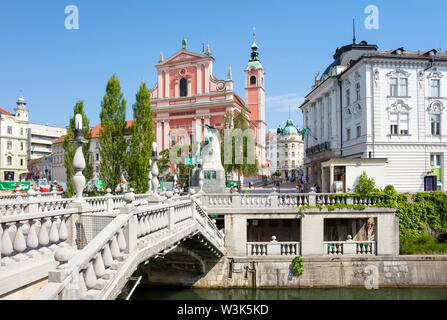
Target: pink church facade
(187,96)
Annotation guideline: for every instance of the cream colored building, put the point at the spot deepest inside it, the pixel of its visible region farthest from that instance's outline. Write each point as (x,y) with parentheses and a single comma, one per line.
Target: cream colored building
(41,138)
(285,151)
(13,143)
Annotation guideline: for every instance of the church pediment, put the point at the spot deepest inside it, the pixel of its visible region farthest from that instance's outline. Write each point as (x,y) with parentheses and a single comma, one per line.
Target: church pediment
(182,56)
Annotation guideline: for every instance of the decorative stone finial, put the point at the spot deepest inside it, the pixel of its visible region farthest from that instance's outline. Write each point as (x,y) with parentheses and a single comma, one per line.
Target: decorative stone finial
(62,255)
(208,52)
(273,239)
(129,197)
(161,57)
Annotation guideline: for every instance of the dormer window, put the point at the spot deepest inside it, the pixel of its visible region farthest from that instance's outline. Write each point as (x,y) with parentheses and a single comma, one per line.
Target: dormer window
(398,51)
(183,88)
(253,80)
(432,52)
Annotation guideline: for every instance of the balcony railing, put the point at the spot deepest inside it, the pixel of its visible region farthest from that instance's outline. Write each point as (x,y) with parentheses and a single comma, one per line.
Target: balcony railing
(339,248)
(273,248)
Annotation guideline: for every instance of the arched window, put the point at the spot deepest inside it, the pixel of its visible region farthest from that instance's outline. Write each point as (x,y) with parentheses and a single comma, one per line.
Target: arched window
(183,88)
(252,80)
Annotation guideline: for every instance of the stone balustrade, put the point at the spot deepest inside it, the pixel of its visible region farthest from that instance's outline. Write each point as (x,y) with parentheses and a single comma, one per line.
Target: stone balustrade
(92,269)
(5,197)
(27,245)
(282,200)
(335,248)
(273,248)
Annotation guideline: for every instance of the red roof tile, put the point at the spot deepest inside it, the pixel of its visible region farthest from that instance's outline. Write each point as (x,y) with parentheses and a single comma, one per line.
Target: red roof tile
(3,111)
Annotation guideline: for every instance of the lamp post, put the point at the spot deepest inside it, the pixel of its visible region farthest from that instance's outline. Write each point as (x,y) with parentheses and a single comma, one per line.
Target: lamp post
(78,159)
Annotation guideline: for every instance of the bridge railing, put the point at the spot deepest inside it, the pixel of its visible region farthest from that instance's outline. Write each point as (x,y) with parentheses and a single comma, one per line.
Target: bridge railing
(91,270)
(5,197)
(27,244)
(282,200)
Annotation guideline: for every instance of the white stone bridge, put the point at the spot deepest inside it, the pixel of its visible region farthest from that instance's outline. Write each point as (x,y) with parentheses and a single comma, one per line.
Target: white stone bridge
(89,247)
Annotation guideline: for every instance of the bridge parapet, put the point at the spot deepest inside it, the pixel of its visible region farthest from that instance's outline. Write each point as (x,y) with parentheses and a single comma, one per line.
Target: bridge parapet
(98,269)
(282,200)
(27,246)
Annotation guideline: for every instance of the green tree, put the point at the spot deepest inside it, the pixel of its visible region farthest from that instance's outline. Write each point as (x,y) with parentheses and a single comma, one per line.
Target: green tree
(365,185)
(238,120)
(111,137)
(141,141)
(70,149)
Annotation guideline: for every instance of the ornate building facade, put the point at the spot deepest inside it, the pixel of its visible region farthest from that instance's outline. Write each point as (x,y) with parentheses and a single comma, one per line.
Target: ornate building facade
(14,142)
(384,106)
(188,95)
(285,151)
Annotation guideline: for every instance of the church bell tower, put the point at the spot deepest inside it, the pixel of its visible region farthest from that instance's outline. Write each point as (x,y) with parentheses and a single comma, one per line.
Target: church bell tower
(255,98)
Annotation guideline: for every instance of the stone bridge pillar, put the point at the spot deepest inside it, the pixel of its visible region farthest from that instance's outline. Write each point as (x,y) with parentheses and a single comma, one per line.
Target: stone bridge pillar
(312,234)
(236,235)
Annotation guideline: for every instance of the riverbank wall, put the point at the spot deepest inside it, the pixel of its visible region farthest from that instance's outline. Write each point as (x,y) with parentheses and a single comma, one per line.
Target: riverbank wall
(319,272)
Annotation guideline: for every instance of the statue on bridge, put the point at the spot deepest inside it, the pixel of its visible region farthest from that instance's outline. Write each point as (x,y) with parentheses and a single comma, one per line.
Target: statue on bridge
(210,162)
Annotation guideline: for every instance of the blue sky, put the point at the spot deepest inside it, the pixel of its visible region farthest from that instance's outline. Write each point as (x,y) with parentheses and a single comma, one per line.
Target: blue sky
(55,67)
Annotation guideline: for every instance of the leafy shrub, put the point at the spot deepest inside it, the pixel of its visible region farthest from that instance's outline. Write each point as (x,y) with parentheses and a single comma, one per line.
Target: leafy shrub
(422,244)
(298,265)
(365,185)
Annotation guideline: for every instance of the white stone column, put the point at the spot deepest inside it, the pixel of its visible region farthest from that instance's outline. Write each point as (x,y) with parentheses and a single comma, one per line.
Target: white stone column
(207,79)
(331,178)
(166,134)
(160,85)
(199,79)
(236,235)
(386,234)
(176,88)
(159,134)
(312,234)
(189,93)
(167,84)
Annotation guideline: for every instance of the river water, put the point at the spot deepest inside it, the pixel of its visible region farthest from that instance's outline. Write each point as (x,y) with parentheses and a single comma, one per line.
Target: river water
(291,294)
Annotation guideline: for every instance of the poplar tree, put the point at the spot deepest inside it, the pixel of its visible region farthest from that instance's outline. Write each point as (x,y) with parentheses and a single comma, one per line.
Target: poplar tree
(111,136)
(70,149)
(238,120)
(141,141)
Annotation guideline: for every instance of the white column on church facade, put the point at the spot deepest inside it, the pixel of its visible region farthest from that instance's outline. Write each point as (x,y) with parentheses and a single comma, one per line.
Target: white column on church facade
(159,134)
(176,88)
(167,84)
(189,87)
(166,134)
(160,85)
(207,79)
(199,79)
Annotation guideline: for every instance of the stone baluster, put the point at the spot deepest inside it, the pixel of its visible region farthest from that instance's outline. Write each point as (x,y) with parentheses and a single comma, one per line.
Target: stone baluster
(19,243)
(6,245)
(44,239)
(32,241)
(109,200)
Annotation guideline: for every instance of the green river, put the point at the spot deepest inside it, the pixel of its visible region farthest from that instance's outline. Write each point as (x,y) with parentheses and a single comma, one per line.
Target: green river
(291,294)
